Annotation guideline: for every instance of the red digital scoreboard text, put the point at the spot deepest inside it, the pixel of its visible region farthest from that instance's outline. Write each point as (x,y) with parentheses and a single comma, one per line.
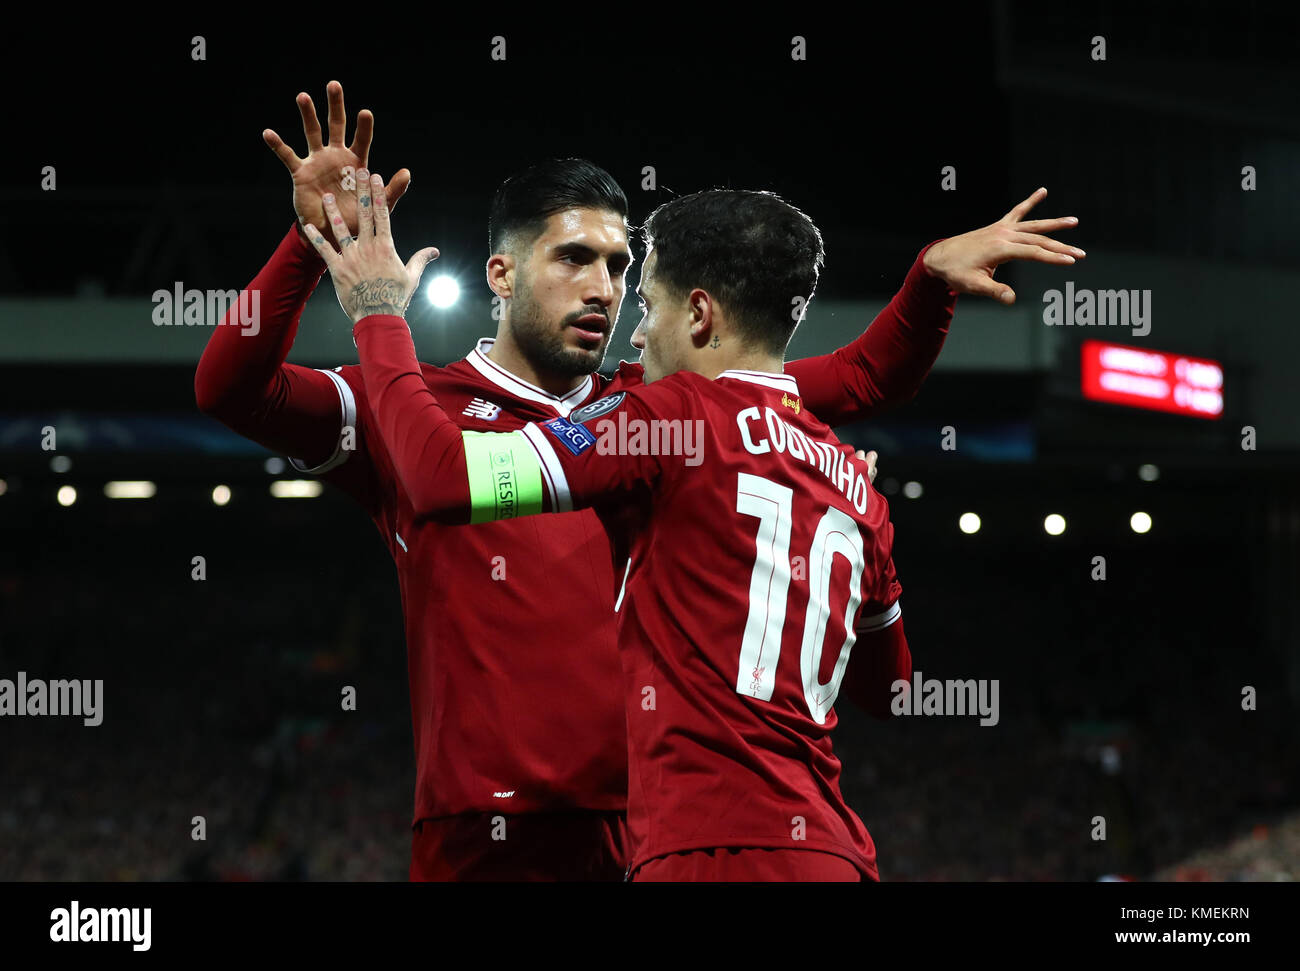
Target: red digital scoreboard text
(1156,380)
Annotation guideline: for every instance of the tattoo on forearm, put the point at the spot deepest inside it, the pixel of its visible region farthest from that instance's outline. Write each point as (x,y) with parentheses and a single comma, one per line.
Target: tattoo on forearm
(380,297)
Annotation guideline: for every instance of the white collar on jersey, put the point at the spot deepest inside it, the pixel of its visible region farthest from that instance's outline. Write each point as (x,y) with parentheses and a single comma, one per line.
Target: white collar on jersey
(777,382)
(520,388)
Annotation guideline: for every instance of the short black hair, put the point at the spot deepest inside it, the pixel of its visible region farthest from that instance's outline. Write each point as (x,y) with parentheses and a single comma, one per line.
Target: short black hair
(753,250)
(523,202)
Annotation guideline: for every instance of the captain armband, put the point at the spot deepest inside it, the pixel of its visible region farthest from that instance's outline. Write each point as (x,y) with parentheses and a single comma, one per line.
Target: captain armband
(505,476)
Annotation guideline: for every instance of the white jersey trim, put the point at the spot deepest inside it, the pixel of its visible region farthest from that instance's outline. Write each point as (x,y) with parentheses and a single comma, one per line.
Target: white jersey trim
(880,621)
(552,471)
(777,382)
(348,407)
(623,588)
(520,388)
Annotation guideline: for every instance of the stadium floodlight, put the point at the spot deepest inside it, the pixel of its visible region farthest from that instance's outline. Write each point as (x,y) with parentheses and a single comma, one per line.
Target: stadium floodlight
(969,523)
(295,489)
(442,291)
(220,495)
(1148,472)
(130,490)
(1054,524)
(60,464)
(912,490)
(66,495)
(273,466)
(1140,522)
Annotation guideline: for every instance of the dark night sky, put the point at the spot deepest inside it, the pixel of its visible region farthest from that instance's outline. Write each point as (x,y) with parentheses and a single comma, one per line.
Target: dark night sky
(855,135)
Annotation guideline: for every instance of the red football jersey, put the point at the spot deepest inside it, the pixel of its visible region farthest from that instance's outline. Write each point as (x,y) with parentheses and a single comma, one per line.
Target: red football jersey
(504,718)
(758,552)
(758,549)
(515,695)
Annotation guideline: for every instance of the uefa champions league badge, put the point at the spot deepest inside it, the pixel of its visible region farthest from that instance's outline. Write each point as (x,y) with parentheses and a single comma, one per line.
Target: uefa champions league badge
(597,408)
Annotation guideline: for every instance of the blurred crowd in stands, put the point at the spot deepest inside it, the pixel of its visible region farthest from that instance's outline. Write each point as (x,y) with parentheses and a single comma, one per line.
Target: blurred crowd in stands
(222,701)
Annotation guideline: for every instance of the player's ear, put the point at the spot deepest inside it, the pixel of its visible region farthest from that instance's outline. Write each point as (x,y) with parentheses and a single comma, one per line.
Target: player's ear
(700,316)
(501,274)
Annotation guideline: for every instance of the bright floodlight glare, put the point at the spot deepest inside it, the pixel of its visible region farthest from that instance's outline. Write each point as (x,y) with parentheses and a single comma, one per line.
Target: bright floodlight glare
(442,291)
(295,489)
(1141,522)
(273,466)
(67,495)
(1148,472)
(1054,524)
(912,490)
(969,523)
(129,490)
(60,463)
(221,495)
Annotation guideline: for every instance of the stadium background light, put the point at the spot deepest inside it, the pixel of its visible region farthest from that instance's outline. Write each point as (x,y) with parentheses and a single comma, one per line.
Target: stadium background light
(66,495)
(295,489)
(1154,380)
(1054,524)
(442,290)
(1140,522)
(969,523)
(221,495)
(129,490)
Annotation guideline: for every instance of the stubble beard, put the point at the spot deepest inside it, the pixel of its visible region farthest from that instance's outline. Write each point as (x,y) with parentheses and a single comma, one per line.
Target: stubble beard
(543,345)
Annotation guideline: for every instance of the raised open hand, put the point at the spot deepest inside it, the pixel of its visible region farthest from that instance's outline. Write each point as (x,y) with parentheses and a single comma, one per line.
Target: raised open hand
(331,168)
(369,277)
(967,262)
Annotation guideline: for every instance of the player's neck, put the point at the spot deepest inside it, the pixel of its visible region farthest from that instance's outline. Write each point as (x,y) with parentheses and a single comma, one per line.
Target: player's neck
(505,353)
(711,367)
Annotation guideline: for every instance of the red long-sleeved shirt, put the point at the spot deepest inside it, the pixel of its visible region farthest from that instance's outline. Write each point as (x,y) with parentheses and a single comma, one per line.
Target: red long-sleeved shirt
(717,489)
(510,626)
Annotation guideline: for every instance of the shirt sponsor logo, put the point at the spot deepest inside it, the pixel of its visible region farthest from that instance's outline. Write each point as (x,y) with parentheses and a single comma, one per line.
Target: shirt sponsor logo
(597,408)
(795,403)
(573,437)
(478,408)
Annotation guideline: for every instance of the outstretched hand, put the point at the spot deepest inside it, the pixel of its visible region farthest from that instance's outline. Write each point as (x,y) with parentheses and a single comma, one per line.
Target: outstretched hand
(870,459)
(331,168)
(967,262)
(369,277)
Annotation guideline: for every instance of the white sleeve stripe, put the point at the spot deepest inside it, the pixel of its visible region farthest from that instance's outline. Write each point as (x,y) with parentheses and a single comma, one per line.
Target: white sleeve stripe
(880,621)
(348,409)
(552,470)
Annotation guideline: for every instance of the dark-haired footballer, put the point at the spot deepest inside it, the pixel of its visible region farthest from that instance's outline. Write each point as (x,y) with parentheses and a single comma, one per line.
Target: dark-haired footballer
(510,626)
(732,661)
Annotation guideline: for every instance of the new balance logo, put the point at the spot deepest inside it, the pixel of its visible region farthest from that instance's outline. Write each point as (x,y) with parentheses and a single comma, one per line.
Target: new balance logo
(478,408)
